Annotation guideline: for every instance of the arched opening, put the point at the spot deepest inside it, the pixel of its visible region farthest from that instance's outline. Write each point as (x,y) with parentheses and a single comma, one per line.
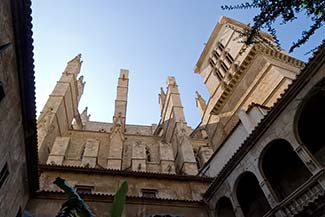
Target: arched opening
(311,122)
(283,168)
(251,197)
(224,208)
(148,155)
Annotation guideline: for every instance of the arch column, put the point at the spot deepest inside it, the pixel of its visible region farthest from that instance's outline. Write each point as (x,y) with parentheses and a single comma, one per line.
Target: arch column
(237,209)
(265,185)
(269,193)
(304,154)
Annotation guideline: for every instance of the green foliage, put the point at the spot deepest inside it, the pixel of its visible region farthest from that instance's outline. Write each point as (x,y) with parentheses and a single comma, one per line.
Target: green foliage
(286,10)
(74,206)
(119,200)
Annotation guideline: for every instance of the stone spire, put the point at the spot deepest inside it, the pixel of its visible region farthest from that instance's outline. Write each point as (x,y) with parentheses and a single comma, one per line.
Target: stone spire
(121,96)
(74,65)
(114,160)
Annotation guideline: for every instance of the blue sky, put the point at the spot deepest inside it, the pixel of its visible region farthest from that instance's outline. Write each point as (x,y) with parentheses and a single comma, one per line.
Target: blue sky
(151,38)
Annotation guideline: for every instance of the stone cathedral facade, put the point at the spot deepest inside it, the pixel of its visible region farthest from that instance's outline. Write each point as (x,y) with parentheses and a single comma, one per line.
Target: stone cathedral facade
(257,151)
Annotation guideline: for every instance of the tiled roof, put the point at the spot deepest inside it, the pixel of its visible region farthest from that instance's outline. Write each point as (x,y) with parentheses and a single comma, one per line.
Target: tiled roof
(102,171)
(109,197)
(22,25)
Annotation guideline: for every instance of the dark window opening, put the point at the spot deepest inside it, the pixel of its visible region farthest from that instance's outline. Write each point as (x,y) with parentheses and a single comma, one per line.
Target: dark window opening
(216,54)
(82,152)
(220,46)
(282,167)
(224,66)
(149,193)
(4,174)
(212,63)
(311,122)
(218,74)
(84,189)
(251,197)
(229,58)
(148,155)
(197,158)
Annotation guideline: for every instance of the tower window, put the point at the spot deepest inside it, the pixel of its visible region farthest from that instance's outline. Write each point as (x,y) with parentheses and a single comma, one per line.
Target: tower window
(212,63)
(224,66)
(220,46)
(4,174)
(218,74)
(215,53)
(149,193)
(229,58)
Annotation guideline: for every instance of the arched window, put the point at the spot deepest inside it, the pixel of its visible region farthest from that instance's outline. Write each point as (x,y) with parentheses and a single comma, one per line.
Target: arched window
(311,122)
(283,168)
(250,196)
(224,208)
(148,154)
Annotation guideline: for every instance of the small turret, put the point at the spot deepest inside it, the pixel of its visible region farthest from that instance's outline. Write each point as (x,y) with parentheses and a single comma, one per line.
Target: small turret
(162,97)
(200,103)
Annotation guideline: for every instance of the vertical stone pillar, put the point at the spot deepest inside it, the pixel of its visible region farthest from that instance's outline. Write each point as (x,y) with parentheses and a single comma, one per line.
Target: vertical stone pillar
(117,134)
(121,95)
(237,209)
(268,192)
(117,139)
(167,163)
(90,153)
(308,159)
(58,151)
(62,106)
(138,160)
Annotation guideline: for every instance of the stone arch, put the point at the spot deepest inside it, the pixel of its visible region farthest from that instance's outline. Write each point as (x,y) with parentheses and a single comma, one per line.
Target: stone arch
(250,196)
(282,168)
(310,121)
(224,208)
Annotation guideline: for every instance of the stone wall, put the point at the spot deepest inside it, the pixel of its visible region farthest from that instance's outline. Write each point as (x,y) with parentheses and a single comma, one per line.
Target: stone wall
(167,188)
(14,190)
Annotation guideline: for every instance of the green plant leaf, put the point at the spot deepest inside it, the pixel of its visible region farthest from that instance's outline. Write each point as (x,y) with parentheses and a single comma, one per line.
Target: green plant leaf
(74,203)
(119,200)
